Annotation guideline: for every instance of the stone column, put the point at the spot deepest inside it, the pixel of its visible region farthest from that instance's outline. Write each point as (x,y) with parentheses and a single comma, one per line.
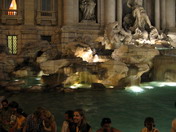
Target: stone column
(76,11)
(145,4)
(30,11)
(68,12)
(53,21)
(163,14)
(19,7)
(157,14)
(109,11)
(119,12)
(170,14)
(39,5)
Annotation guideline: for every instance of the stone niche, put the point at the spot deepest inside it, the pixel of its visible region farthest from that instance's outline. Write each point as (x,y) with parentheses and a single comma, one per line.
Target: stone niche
(88,11)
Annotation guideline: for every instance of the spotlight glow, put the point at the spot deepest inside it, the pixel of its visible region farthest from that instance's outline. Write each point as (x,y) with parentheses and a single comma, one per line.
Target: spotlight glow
(163,84)
(148,87)
(169,83)
(76,85)
(111,87)
(135,89)
(38,79)
(41,73)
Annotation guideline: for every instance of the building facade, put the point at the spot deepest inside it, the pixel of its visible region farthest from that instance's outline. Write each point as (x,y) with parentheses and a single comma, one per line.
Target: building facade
(62,21)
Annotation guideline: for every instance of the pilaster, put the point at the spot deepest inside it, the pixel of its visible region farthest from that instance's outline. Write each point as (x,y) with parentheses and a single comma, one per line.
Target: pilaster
(163,14)
(109,11)
(119,12)
(68,14)
(29,11)
(157,14)
(170,14)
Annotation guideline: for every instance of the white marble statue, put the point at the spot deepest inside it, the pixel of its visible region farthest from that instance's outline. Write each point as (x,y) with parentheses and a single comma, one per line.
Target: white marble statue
(116,35)
(88,9)
(139,14)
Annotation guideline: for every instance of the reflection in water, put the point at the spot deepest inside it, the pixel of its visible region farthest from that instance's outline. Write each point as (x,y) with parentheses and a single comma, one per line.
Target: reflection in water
(126,108)
(135,89)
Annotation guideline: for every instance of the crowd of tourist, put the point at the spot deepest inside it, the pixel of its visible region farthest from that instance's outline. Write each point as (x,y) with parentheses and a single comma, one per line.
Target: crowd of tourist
(14,119)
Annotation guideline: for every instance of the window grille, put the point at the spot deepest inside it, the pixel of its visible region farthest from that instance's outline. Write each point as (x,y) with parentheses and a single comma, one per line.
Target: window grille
(12,44)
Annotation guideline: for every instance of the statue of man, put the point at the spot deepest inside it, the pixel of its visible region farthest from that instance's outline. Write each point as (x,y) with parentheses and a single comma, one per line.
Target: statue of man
(116,35)
(140,15)
(88,9)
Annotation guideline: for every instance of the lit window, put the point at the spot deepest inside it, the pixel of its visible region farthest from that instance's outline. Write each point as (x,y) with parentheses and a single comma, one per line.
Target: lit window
(12,44)
(12,7)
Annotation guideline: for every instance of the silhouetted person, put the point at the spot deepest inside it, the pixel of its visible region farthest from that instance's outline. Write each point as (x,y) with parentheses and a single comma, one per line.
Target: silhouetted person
(4,104)
(149,125)
(68,121)
(173,125)
(4,116)
(48,121)
(34,122)
(106,126)
(18,126)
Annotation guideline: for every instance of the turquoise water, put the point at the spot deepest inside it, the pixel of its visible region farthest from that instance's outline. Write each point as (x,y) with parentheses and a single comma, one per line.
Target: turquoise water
(126,108)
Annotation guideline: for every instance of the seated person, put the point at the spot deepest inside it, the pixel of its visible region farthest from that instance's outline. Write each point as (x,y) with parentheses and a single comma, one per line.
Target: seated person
(20,121)
(173,128)
(68,121)
(80,121)
(106,126)
(48,121)
(149,125)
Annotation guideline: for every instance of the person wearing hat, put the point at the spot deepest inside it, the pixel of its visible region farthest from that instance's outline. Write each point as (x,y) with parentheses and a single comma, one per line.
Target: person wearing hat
(106,126)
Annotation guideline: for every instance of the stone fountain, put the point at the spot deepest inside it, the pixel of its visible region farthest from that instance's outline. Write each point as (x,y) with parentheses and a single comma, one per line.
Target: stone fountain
(119,58)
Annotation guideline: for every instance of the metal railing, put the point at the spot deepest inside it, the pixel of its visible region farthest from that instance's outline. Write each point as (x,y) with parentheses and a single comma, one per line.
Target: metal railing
(46,14)
(11,15)
(10,12)
(49,16)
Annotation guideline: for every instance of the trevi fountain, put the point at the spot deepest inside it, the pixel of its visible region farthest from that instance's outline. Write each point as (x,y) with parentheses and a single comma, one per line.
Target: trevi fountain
(126,73)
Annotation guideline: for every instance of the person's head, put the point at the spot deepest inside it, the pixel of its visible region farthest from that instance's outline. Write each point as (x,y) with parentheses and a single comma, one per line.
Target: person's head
(79,116)
(47,116)
(106,123)
(4,103)
(37,113)
(149,123)
(13,106)
(68,115)
(19,112)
